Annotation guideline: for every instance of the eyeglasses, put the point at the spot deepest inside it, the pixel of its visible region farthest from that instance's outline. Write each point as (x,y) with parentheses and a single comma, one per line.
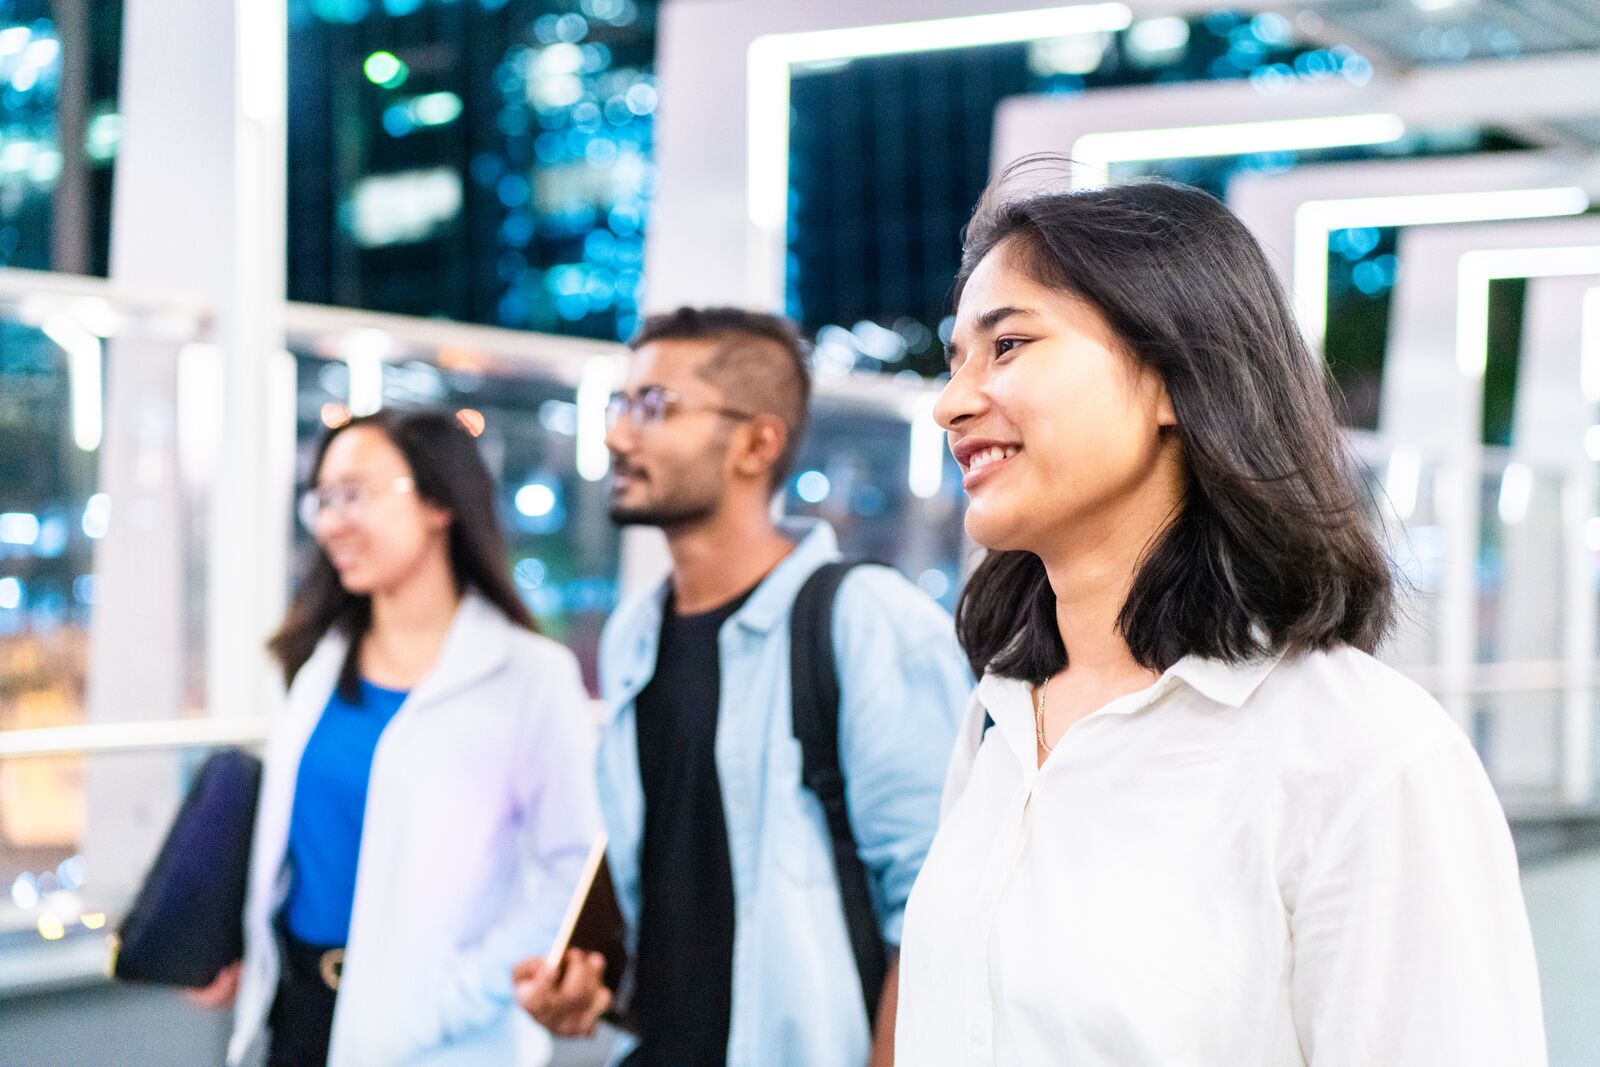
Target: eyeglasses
(349,499)
(651,405)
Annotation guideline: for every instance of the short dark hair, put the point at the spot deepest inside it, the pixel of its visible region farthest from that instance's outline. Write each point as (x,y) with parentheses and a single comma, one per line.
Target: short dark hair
(1272,550)
(760,365)
(448,472)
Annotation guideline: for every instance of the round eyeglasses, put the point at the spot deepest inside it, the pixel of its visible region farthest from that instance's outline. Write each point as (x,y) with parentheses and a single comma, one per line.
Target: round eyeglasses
(651,405)
(349,499)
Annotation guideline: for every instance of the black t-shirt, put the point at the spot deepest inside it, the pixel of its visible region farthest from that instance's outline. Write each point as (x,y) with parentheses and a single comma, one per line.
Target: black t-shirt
(684,990)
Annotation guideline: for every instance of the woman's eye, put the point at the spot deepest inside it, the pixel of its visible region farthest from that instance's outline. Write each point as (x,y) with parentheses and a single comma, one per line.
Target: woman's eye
(1006,344)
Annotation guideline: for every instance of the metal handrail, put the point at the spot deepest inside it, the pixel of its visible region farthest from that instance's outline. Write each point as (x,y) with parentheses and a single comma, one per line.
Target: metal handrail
(17,285)
(558,357)
(1517,676)
(1484,679)
(96,737)
(88,738)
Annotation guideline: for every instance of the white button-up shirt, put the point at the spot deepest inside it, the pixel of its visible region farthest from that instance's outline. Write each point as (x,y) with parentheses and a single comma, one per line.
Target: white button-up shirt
(1288,863)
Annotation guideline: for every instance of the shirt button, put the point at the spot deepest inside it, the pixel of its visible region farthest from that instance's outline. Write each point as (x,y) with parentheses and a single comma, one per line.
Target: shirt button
(980,1034)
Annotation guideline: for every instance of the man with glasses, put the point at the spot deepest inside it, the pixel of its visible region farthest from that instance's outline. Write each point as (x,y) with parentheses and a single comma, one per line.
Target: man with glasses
(721,858)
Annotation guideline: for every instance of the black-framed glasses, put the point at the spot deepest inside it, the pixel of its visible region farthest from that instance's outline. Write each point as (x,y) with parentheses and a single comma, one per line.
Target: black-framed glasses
(349,499)
(651,405)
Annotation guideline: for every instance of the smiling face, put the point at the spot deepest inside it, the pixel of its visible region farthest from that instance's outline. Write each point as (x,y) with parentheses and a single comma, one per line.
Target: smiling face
(1058,430)
(386,533)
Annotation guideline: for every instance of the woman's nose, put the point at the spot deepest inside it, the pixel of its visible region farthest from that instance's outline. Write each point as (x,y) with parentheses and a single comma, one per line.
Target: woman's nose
(332,520)
(960,400)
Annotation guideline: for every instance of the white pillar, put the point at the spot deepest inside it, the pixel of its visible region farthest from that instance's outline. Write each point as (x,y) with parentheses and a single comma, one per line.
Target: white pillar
(1553,416)
(200,206)
(198,209)
(1547,597)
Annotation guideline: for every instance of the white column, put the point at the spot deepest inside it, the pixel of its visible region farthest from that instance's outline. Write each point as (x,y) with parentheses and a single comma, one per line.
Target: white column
(1547,597)
(198,209)
(199,206)
(1553,415)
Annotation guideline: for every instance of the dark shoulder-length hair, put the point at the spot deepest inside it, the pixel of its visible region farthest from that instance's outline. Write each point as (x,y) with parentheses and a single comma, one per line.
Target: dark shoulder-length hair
(1271,550)
(449,473)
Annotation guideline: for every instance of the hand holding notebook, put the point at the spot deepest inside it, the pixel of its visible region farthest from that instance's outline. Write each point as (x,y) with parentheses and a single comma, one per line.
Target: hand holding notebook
(572,986)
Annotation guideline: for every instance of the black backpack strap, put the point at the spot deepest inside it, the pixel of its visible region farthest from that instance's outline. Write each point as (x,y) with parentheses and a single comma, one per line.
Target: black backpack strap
(814,678)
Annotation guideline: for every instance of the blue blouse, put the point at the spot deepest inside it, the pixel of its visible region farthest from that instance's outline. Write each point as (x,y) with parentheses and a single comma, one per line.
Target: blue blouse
(330,803)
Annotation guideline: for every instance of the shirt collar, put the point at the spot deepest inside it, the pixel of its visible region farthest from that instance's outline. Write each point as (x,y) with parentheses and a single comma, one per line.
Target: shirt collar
(640,617)
(1223,683)
(477,644)
(815,544)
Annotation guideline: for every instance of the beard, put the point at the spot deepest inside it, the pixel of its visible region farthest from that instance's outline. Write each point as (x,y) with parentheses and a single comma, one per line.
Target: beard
(694,498)
(666,515)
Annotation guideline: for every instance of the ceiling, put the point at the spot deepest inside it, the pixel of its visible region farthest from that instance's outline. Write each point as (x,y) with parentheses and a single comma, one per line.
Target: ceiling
(1428,32)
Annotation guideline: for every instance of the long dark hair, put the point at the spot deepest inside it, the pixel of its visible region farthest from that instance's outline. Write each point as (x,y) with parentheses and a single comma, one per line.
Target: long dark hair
(449,473)
(1272,550)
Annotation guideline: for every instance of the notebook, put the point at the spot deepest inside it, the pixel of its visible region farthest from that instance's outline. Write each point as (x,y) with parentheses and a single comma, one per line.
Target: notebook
(187,923)
(593,922)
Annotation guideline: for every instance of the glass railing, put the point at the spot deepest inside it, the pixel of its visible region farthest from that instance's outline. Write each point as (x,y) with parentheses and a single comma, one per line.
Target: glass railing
(95,817)
(1498,605)
(99,591)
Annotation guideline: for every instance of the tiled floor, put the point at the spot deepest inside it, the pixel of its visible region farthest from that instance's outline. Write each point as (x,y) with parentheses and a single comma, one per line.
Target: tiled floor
(1563,898)
(76,1029)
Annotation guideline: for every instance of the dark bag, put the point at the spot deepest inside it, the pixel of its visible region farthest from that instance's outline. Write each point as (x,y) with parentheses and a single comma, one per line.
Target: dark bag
(187,923)
(814,680)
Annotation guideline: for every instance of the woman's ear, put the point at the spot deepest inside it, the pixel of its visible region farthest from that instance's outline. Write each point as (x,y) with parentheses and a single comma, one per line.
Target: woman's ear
(435,517)
(1160,400)
(1166,417)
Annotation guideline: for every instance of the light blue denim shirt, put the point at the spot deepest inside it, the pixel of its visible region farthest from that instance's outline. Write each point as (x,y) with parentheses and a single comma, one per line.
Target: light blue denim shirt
(903,687)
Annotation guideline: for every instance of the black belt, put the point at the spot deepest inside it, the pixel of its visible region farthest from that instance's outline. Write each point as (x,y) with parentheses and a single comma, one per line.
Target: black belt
(305,962)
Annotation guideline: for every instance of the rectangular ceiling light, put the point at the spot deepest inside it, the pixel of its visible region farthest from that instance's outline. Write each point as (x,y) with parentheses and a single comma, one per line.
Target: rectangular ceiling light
(1094,154)
(772,57)
(1316,219)
(1477,269)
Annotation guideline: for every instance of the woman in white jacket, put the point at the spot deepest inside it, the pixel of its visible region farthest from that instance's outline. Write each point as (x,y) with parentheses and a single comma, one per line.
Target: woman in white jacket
(427,801)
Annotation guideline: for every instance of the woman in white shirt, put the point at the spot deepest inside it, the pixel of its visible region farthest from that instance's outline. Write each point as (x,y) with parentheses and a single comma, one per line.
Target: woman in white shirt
(428,798)
(1206,827)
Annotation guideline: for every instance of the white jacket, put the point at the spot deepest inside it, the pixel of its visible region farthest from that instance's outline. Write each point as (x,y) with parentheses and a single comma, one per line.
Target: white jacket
(480,811)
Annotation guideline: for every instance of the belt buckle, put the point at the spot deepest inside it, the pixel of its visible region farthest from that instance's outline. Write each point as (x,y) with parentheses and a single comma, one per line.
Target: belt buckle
(332,967)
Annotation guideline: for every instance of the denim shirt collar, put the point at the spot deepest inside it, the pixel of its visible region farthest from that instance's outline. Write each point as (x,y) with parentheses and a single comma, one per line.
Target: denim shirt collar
(639,628)
(815,544)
